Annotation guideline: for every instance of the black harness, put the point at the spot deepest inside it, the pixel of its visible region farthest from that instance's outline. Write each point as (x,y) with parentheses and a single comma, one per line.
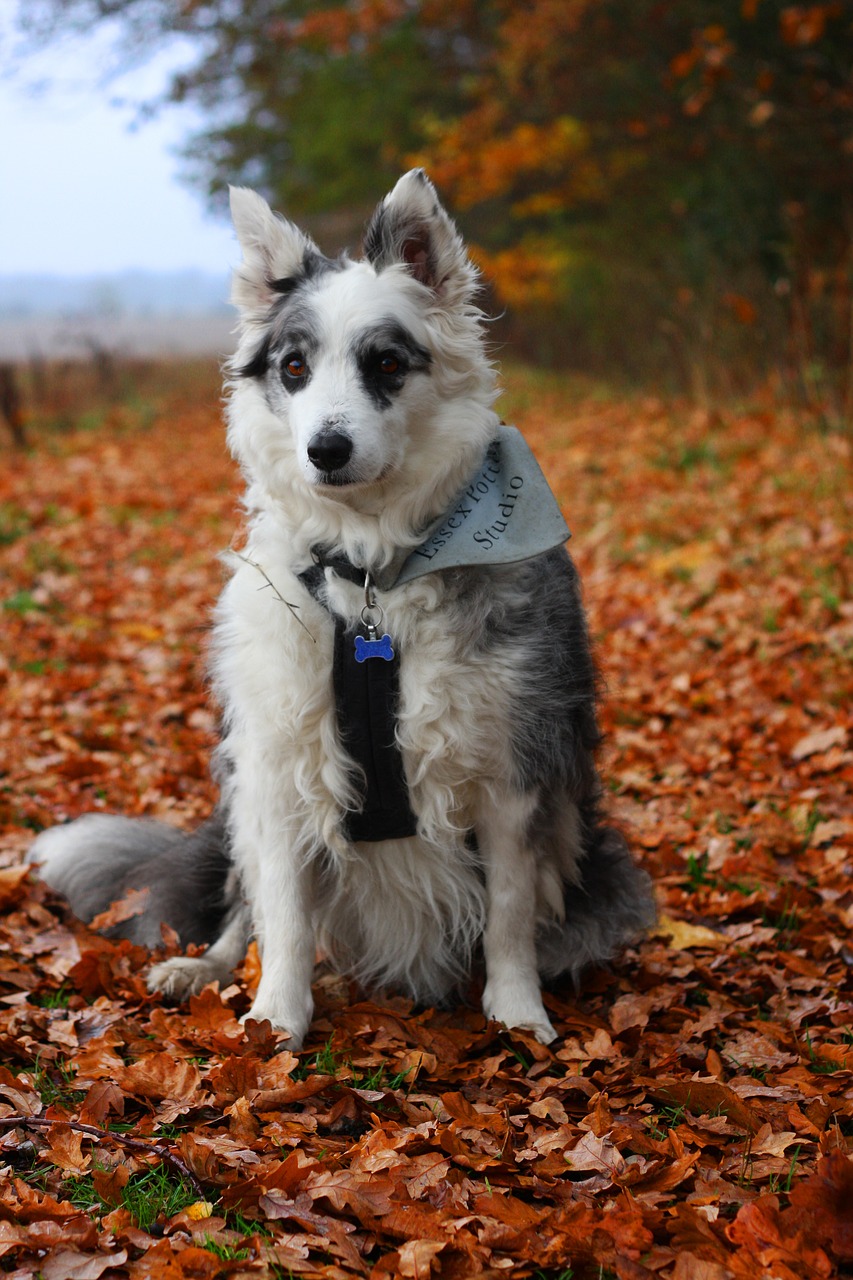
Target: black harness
(367,696)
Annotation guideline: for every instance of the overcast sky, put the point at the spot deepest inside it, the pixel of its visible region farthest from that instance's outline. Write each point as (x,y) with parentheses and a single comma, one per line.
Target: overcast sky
(80,191)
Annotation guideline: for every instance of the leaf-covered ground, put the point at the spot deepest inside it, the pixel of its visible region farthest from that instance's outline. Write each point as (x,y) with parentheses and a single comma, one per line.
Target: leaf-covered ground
(695,1118)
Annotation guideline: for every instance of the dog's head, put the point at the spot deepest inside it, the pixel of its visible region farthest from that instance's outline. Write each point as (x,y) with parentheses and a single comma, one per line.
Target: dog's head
(352,375)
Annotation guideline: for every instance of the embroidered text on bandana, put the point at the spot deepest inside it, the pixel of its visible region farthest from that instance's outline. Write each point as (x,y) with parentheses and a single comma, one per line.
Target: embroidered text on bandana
(504,514)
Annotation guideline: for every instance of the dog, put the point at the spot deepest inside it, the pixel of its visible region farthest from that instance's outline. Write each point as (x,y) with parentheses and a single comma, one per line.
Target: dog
(408,697)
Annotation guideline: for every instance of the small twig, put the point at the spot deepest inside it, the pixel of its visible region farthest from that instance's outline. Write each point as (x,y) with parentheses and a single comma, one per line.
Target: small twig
(134,1144)
(268,582)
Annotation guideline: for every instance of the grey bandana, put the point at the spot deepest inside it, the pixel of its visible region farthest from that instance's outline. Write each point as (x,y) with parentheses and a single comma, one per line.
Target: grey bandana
(505,513)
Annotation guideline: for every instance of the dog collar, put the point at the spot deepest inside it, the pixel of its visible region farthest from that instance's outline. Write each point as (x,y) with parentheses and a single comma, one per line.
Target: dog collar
(505,513)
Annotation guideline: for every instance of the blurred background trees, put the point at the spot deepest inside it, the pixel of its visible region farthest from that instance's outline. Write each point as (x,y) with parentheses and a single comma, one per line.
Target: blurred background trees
(651,187)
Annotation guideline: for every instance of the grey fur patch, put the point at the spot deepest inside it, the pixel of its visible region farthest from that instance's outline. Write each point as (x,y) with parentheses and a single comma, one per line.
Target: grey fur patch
(95,860)
(612,906)
(289,323)
(388,339)
(535,608)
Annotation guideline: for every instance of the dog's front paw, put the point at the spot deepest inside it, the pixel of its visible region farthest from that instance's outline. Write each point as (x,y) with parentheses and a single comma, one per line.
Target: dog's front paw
(521,1009)
(184,976)
(294,1025)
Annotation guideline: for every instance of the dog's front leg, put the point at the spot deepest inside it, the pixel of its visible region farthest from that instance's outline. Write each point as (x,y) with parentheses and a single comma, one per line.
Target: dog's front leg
(282,908)
(512,993)
(277,878)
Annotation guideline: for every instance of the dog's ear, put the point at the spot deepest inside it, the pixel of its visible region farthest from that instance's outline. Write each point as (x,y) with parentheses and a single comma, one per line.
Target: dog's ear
(275,252)
(410,228)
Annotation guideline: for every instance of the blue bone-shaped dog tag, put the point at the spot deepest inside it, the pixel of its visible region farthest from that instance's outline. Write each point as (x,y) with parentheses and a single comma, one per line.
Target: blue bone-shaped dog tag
(373,648)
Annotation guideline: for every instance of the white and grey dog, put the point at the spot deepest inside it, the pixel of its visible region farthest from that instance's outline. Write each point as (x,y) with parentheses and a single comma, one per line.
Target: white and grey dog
(401,800)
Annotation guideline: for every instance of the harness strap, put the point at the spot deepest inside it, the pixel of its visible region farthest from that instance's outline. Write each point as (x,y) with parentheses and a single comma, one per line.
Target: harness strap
(367,696)
(339,564)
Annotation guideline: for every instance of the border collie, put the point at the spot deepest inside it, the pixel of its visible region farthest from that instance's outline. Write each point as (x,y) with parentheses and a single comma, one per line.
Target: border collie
(400,656)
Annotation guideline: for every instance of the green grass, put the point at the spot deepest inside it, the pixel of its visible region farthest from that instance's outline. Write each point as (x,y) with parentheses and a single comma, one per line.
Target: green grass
(326,1062)
(247,1226)
(699,877)
(381,1078)
(14,523)
(53,1083)
(786,922)
(22,603)
(697,872)
(824,1066)
(687,458)
(153,1193)
(668,1118)
(56,999)
(777,1183)
(226,1252)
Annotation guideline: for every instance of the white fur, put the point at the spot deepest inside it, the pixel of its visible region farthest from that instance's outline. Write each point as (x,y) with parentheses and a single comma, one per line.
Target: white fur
(407,912)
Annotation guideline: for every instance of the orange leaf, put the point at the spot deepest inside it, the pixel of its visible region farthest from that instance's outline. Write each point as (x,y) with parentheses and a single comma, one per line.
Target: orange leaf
(160,1076)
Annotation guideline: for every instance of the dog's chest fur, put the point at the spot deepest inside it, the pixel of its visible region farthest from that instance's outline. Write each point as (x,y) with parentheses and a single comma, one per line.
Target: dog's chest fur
(457,689)
(273,675)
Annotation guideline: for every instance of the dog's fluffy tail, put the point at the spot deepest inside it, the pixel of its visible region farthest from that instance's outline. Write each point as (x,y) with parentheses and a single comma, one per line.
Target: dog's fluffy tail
(613,905)
(97,859)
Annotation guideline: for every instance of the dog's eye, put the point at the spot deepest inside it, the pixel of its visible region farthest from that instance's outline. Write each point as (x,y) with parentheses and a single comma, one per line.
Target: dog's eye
(389,364)
(295,366)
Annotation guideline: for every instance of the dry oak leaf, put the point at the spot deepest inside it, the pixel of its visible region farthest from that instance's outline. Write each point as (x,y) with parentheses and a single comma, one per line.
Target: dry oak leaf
(768,1143)
(600,1046)
(417,1257)
(13,884)
(702,1097)
(821,740)
(66,1149)
(168,1261)
(825,1199)
(49,1233)
(667,1175)
(69,1264)
(466,1114)
(431,1169)
(110,1183)
(776,1241)
(680,935)
(549,1108)
(750,1049)
(63,1031)
(631,1010)
(29,1205)
(368,1195)
(597,1155)
(133,903)
(159,1076)
(279,1207)
(11,1237)
(689,1267)
(199,1211)
(20,1093)
(103,1097)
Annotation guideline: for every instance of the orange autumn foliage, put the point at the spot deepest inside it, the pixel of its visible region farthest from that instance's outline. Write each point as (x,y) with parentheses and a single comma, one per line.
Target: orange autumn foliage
(693,1119)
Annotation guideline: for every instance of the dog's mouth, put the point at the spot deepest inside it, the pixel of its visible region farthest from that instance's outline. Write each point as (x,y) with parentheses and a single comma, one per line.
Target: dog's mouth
(347,479)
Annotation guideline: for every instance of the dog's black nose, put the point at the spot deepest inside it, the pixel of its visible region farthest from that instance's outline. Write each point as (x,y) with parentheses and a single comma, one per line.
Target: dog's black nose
(329,450)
